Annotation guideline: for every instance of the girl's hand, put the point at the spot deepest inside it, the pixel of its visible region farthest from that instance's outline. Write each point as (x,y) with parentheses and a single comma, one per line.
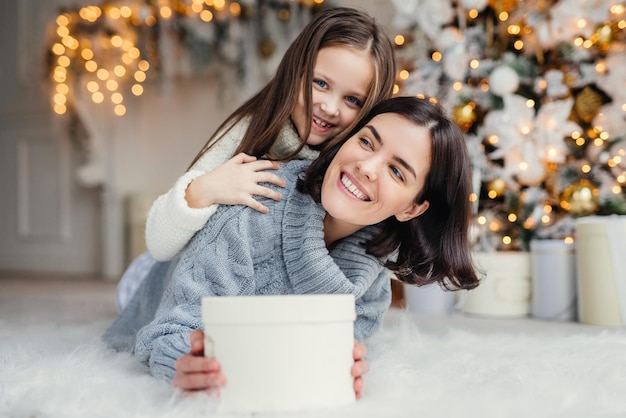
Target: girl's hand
(360,367)
(234,183)
(196,373)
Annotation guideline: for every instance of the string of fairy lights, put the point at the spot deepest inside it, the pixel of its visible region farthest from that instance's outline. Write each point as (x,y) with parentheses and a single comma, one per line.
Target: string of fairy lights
(539,88)
(108,50)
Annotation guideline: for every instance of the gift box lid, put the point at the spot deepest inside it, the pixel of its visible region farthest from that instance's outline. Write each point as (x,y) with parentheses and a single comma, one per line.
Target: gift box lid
(277,309)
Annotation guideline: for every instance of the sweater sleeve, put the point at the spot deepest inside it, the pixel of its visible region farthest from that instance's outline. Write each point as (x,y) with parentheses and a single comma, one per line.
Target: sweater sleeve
(171,222)
(218,261)
(349,269)
(371,280)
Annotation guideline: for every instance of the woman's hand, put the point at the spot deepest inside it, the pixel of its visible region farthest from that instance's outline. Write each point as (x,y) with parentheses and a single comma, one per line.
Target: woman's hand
(234,183)
(359,368)
(196,373)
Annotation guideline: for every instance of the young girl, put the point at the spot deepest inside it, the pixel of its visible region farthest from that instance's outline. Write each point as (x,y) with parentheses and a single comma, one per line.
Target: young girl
(398,184)
(340,64)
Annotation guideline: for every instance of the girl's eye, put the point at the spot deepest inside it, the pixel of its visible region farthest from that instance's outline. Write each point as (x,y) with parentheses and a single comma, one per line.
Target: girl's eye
(397,173)
(320,83)
(354,101)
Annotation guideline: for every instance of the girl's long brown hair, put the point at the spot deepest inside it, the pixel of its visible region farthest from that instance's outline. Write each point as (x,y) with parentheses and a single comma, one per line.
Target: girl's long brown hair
(270,108)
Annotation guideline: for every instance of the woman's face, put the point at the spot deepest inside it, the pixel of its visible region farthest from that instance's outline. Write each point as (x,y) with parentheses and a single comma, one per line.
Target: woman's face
(378,173)
(341,80)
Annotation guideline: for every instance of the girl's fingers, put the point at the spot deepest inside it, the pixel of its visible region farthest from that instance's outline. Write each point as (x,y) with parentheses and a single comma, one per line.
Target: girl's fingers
(267,192)
(257,206)
(261,165)
(242,158)
(268,177)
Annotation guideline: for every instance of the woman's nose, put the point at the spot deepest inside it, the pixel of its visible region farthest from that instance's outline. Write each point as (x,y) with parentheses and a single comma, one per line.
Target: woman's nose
(367,167)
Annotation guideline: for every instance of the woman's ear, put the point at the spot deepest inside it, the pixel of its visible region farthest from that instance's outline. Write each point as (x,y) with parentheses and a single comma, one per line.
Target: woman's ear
(413,212)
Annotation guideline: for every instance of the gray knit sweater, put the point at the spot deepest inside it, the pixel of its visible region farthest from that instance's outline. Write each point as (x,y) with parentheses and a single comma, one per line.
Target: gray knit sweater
(241,251)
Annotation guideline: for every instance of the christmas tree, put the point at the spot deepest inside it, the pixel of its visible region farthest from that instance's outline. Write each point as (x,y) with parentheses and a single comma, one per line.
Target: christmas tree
(539,88)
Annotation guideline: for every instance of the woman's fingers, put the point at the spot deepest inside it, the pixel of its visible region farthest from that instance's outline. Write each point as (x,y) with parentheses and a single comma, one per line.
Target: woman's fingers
(359,352)
(197,373)
(196,341)
(358,387)
(359,368)
(190,363)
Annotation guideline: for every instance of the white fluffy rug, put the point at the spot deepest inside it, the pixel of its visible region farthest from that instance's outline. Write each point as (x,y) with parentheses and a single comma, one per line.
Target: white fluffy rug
(420,367)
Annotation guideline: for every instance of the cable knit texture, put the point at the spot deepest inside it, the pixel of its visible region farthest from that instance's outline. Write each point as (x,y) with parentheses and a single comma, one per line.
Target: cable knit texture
(243,252)
(171,222)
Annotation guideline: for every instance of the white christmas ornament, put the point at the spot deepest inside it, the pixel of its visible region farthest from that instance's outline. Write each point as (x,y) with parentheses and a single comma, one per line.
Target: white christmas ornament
(406,13)
(474,4)
(555,87)
(503,80)
(456,63)
(533,171)
(433,15)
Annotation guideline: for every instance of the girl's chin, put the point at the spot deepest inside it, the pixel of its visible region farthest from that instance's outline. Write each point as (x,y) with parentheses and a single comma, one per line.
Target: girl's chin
(317,142)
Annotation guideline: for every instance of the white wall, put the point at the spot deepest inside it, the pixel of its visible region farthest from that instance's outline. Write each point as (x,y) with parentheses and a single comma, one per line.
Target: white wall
(143,152)
(164,129)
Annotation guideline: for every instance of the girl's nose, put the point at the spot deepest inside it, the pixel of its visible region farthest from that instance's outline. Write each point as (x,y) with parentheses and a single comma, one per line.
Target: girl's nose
(330,107)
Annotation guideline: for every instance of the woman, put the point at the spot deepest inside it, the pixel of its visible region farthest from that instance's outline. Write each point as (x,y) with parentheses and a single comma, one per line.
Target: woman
(398,185)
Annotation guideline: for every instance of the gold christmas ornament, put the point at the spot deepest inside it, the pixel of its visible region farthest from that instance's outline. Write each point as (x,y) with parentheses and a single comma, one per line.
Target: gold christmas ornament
(266,48)
(603,36)
(497,186)
(587,104)
(503,5)
(465,115)
(580,198)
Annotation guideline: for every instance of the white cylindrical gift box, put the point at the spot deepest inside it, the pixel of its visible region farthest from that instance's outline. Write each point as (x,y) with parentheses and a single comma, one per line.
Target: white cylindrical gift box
(504,290)
(282,353)
(554,290)
(430,299)
(601,267)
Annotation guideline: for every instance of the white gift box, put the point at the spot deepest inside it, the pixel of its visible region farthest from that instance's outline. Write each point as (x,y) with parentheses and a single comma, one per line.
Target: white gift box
(282,353)
(601,267)
(429,300)
(554,289)
(505,287)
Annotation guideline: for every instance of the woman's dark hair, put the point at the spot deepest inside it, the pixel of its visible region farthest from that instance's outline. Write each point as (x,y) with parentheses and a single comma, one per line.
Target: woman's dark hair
(433,247)
(270,109)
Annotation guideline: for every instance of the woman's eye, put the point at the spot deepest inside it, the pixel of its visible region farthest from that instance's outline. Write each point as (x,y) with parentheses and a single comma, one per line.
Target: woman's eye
(365,142)
(354,101)
(320,83)
(397,172)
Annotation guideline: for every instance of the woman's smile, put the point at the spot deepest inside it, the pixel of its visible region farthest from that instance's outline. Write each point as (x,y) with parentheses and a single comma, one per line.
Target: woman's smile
(353,188)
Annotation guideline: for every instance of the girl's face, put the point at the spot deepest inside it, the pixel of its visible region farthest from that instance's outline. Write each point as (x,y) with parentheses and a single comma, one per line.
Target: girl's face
(376,174)
(341,80)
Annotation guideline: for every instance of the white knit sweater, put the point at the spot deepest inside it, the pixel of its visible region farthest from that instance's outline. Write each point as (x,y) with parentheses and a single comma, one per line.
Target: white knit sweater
(171,222)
